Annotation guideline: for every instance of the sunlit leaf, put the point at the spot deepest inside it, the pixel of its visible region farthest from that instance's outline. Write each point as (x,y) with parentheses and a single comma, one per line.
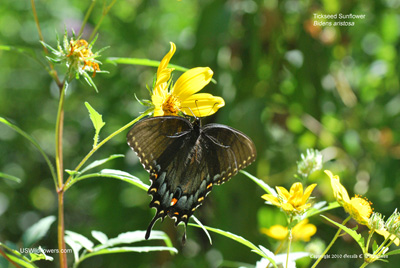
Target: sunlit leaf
(97,120)
(260,183)
(356,236)
(80,239)
(100,236)
(239,239)
(101,162)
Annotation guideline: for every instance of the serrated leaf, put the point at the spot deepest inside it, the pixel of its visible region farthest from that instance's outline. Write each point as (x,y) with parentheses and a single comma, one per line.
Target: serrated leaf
(100,236)
(37,231)
(97,121)
(10,177)
(356,236)
(101,162)
(80,239)
(239,239)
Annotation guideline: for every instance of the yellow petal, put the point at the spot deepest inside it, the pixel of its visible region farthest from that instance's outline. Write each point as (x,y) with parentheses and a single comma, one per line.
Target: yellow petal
(303,231)
(191,82)
(282,192)
(202,104)
(272,199)
(308,192)
(339,191)
(277,232)
(165,61)
(296,194)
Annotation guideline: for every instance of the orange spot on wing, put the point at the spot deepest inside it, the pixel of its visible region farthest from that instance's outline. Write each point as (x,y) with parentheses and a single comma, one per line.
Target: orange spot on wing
(173,201)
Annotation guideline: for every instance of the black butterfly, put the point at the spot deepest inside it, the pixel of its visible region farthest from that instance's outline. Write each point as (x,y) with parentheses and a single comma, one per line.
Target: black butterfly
(185,160)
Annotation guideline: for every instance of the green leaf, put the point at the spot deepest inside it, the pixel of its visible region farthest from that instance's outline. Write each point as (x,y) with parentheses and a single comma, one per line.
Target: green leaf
(316,210)
(202,227)
(239,239)
(100,236)
(126,250)
(260,183)
(37,231)
(17,257)
(76,247)
(80,239)
(34,142)
(101,162)
(88,80)
(145,62)
(393,252)
(97,121)
(10,177)
(133,237)
(356,236)
(115,174)
(41,256)
(374,246)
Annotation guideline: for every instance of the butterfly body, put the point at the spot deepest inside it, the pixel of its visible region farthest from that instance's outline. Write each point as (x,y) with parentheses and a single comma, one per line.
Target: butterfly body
(185,160)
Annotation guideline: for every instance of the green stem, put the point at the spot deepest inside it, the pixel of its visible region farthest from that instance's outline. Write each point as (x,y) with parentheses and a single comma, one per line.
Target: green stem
(87,17)
(369,239)
(288,247)
(331,243)
(106,9)
(52,71)
(95,148)
(60,172)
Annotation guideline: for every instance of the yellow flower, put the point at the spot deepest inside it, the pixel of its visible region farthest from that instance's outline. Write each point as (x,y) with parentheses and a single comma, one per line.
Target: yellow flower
(302,231)
(80,54)
(183,96)
(294,201)
(359,208)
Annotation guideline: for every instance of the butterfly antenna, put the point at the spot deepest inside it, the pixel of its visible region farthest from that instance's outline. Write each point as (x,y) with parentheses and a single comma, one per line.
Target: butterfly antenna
(212,108)
(198,110)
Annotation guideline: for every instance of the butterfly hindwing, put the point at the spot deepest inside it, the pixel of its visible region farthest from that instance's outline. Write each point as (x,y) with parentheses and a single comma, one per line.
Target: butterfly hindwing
(185,160)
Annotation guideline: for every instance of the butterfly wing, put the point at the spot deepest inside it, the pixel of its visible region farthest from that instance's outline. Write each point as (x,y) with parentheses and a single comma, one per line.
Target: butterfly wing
(164,146)
(230,150)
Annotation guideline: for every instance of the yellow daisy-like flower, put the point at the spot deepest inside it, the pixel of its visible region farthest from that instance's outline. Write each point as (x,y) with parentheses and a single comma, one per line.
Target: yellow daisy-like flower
(302,231)
(294,201)
(359,208)
(183,96)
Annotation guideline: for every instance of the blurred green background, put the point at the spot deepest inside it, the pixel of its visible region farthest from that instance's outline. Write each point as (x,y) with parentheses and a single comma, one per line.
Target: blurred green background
(287,84)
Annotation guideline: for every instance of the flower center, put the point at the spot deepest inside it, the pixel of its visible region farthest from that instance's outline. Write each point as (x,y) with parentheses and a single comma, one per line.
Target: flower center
(171,105)
(360,209)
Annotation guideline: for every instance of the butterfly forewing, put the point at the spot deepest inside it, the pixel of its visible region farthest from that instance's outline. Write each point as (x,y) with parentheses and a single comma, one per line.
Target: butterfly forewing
(155,136)
(231,150)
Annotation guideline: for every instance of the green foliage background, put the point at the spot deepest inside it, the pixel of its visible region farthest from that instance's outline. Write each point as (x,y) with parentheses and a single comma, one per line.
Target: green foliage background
(287,85)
